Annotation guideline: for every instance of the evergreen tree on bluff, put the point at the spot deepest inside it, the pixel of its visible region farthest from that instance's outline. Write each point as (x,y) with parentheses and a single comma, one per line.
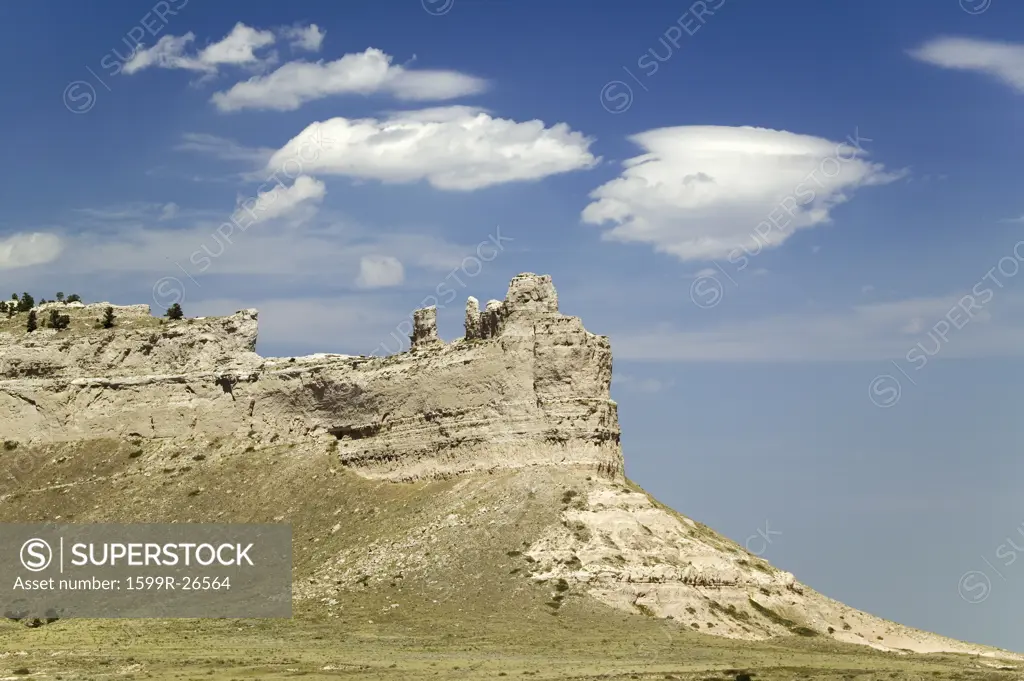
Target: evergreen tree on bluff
(31,325)
(59,321)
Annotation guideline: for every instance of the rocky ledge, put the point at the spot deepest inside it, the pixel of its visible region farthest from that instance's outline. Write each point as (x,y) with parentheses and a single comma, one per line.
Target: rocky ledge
(526,386)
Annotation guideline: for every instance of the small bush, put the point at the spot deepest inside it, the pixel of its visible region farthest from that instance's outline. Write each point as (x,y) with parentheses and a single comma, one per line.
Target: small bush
(108,318)
(31,325)
(59,321)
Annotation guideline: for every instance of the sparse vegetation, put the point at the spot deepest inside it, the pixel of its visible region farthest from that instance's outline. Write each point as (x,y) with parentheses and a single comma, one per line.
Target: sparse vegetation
(59,321)
(174,312)
(458,606)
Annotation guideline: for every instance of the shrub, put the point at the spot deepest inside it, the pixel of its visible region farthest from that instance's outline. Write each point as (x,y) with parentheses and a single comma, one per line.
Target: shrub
(174,312)
(108,318)
(31,325)
(74,298)
(59,321)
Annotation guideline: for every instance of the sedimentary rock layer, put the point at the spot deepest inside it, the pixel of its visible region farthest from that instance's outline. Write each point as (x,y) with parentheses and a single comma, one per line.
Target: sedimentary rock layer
(527,386)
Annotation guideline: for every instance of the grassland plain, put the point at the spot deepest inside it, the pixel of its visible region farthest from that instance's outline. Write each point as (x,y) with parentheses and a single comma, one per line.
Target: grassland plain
(418,580)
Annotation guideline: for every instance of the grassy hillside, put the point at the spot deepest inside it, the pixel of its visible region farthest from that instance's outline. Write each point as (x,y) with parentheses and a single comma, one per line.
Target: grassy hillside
(423,580)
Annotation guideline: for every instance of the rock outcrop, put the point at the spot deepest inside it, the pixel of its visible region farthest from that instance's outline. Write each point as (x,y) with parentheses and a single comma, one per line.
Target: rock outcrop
(530,389)
(519,409)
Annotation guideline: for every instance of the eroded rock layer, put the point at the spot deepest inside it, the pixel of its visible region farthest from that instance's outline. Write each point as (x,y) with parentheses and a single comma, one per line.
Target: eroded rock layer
(527,386)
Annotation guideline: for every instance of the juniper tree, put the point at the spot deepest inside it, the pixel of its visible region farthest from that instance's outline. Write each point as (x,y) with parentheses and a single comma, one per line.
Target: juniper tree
(174,312)
(31,325)
(60,296)
(74,298)
(108,318)
(59,321)
(26,303)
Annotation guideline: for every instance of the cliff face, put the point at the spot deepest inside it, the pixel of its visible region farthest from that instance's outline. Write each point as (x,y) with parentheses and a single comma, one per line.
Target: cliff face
(527,386)
(507,438)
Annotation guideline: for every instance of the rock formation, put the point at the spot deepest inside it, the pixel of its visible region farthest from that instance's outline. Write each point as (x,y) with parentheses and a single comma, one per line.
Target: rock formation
(535,393)
(424,328)
(515,415)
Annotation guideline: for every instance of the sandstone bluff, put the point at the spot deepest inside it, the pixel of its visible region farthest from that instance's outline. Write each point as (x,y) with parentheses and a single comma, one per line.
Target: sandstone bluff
(515,412)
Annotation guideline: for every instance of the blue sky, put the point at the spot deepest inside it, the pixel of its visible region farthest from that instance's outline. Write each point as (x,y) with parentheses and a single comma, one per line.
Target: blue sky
(774,210)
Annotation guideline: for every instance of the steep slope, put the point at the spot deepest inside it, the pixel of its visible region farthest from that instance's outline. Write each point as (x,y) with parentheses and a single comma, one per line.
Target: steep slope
(479,475)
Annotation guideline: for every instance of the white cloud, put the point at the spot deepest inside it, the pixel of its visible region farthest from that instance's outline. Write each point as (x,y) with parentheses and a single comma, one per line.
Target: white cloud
(875,332)
(308,38)
(378,271)
(362,73)
(1001,60)
(168,211)
(280,201)
(303,244)
(700,192)
(237,48)
(453,148)
(28,249)
(223,148)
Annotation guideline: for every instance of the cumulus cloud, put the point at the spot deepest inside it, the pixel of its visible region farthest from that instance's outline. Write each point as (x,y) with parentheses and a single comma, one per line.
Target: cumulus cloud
(452,148)
(28,249)
(378,271)
(705,192)
(308,38)
(237,48)
(282,200)
(1001,60)
(361,73)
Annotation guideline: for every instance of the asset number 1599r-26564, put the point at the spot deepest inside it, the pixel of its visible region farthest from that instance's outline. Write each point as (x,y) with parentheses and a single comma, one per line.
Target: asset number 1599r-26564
(179,583)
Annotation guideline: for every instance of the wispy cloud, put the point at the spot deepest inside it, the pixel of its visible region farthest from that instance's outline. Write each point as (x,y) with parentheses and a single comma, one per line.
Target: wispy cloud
(363,73)
(237,48)
(1003,61)
(307,38)
(877,331)
(223,148)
